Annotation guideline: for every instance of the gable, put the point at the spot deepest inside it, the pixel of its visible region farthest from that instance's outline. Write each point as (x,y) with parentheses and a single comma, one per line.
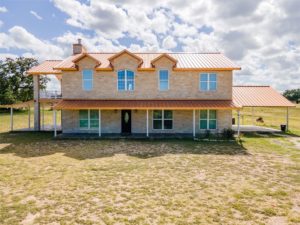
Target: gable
(164,60)
(125,59)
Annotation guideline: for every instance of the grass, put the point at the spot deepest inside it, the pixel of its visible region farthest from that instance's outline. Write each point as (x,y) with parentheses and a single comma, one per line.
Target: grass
(273,117)
(44,181)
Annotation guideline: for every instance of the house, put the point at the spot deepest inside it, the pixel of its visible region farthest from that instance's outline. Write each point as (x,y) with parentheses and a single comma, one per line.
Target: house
(141,93)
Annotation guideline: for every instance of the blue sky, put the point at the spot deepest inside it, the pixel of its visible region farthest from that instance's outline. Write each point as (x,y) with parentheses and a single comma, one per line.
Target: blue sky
(262,36)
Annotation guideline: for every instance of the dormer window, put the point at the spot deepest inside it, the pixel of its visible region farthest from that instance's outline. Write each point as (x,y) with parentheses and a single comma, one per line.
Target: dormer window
(125,80)
(87,80)
(208,82)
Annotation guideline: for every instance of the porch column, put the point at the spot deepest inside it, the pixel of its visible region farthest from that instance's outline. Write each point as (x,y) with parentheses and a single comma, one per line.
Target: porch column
(287,118)
(54,123)
(238,125)
(36,94)
(43,117)
(99,122)
(194,123)
(29,117)
(147,123)
(11,119)
(252,115)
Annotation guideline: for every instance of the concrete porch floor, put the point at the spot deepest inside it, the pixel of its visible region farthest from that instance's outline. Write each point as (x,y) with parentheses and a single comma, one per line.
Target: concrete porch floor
(46,128)
(253,128)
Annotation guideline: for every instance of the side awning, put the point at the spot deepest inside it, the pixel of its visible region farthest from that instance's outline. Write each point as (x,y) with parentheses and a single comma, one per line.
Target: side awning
(259,96)
(145,104)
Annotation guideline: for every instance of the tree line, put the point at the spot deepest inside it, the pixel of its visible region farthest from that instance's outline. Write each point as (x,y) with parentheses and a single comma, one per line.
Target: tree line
(15,85)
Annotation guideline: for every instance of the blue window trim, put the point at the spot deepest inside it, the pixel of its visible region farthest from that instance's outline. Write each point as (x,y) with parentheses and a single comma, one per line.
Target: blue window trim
(208,81)
(87,80)
(125,80)
(160,80)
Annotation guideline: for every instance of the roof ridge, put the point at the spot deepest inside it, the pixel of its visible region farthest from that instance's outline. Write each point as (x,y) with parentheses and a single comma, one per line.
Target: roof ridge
(251,85)
(157,52)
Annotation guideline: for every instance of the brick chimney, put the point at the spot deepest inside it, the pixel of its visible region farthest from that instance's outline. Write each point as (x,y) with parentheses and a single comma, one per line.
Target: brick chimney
(78,48)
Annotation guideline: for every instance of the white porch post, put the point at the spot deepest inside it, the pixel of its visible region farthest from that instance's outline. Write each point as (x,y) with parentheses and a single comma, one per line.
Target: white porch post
(54,123)
(11,119)
(287,118)
(194,123)
(252,116)
(36,96)
(43,117)
(29,115)
(100,123)
(147,123)
(239,115)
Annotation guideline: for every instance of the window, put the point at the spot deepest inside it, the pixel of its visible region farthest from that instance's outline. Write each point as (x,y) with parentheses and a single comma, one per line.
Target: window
(87,80)
(208,119)
(125,80)
(208,82)
(163,80)
(162,119)
(88,119)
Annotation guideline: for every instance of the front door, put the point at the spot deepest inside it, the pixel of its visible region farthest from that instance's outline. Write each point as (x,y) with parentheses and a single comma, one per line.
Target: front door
(126,121)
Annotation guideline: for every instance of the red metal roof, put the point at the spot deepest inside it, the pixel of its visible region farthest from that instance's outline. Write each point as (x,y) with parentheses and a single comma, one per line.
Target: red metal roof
(259,96)
(145,104)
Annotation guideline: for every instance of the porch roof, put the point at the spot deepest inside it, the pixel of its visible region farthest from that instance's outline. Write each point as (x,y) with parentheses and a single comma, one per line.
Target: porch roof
(259,96)
(75,104)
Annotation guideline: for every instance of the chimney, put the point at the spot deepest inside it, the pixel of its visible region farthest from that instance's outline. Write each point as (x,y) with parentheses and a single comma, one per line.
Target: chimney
(78,48)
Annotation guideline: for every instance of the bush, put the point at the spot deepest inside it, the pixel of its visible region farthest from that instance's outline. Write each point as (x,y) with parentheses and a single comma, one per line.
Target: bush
(228,133)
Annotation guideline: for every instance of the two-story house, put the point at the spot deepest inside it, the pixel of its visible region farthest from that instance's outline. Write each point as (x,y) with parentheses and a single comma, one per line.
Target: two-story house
(142,93)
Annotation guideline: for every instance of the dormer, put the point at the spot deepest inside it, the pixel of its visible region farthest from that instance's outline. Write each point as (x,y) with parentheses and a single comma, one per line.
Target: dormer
(125,60)
(86,61)
(164,61)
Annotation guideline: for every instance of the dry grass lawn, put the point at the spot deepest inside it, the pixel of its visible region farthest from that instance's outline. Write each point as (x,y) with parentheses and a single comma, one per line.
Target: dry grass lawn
(46,181)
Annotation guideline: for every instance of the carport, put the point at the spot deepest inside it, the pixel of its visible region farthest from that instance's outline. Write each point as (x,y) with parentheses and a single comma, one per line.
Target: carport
(258,96)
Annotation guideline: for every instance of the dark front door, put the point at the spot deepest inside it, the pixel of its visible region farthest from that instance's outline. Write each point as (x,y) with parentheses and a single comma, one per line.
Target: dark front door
(126,121)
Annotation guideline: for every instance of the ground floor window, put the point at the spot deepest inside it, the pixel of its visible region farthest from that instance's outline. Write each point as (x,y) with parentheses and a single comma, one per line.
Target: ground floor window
(208,119)
(88,119)
(162,119)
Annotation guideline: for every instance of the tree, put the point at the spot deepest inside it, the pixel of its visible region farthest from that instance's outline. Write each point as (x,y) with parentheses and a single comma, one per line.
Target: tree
(15,84)
(292,95)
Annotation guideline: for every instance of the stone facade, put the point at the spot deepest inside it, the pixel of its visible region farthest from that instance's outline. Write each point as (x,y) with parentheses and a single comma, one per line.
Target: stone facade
(111,122)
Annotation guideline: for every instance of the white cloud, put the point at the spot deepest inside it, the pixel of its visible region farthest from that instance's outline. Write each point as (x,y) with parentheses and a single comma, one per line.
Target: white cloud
(19,38)
(169,43)
(3,9)
(36,15)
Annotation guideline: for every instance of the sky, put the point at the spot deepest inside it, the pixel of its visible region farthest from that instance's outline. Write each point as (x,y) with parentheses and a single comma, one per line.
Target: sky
(261,36)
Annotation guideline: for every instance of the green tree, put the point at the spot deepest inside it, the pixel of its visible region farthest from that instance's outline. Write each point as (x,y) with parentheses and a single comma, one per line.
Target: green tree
(15,84)
(292,95)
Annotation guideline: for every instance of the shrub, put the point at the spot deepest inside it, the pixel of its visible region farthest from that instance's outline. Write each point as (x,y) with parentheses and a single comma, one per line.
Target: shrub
(228,133)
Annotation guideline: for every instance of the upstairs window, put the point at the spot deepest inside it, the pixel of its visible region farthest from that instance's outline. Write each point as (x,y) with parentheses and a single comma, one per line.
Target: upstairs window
(88,119)
(87,80)
(163,80)
(125,80)
(208,82)
(208,119)
(162,119)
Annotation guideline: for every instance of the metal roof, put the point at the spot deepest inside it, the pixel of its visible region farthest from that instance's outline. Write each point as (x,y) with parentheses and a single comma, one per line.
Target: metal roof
(259,96)
(145,104)
(45,67)
(202,61)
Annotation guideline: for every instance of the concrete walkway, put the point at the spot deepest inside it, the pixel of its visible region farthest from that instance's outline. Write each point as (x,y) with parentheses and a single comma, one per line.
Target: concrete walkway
(252,128)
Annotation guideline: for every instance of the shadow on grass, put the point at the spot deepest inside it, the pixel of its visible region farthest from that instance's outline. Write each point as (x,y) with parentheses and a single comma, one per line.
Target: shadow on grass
(41,144)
